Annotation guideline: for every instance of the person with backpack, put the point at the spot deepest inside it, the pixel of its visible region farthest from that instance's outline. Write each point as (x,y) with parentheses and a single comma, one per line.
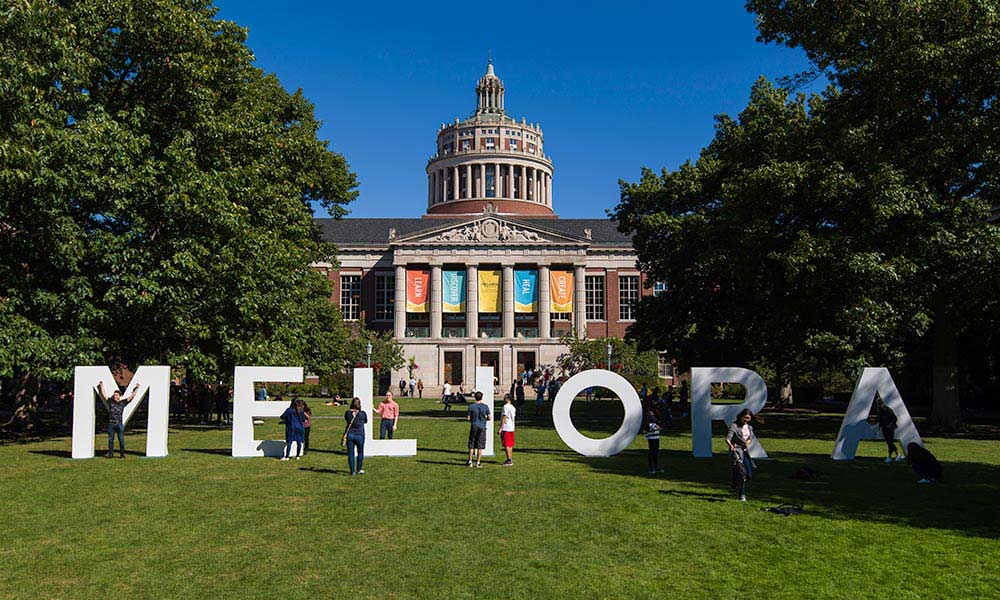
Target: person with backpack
(354,437)
(887,424)
(739,439)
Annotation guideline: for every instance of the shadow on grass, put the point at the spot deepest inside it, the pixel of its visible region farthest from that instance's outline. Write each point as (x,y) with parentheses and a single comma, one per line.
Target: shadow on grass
(324,470)
(216,451)
(863,489)
(697,495)
(97,453)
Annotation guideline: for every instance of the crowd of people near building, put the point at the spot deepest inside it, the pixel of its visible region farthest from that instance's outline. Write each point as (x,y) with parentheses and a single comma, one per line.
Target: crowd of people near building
(203,403)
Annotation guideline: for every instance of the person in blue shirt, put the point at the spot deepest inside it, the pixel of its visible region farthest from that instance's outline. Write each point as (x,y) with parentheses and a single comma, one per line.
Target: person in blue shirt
(295,430)
(262,393)
(355,434)
(479,417)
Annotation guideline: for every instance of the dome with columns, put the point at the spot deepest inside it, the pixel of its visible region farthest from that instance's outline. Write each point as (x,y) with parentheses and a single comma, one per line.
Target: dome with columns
(489,160)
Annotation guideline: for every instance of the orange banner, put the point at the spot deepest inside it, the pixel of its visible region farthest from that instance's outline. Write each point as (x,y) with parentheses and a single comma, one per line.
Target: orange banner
(418,284)
(561,291)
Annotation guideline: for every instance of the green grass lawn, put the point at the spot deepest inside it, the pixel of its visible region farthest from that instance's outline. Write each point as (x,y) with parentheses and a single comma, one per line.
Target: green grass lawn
(200,524)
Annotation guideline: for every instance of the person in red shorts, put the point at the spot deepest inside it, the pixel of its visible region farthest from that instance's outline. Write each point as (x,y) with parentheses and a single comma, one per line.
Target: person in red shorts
(507,430)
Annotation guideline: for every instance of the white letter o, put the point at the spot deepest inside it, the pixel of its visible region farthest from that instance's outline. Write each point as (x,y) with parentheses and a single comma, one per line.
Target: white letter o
(577,441)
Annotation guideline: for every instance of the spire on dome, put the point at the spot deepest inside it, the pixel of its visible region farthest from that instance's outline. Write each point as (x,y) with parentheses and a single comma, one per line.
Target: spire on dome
(489,91)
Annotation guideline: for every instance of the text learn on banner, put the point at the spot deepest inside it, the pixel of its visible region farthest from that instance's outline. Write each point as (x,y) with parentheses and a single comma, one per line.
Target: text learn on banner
(525,291)
(561,291)
(453,291)
(417,287)
(489,291)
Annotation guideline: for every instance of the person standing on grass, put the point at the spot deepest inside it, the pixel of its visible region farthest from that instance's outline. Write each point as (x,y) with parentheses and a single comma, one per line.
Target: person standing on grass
(540,399)
(413,386)
(887,424)
(446,396)
(402,388)
(507,430)
(519,393)
(262,393)
(295,431)
(739,439)
(420,389)
(116,410)
(355,434)
(388,411)
(653,440)
(307,415)
(478,417)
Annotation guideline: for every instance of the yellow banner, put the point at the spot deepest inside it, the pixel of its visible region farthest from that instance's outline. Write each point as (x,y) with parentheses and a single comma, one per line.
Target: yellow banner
(489,291)
(561,291)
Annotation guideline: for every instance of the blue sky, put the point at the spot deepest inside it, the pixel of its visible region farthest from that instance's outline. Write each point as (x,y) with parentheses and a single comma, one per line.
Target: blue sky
(615,86)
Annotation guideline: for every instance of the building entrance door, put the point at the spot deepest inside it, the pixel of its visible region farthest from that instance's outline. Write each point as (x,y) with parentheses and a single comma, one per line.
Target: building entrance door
(525,361)
(490,359)
(453,367)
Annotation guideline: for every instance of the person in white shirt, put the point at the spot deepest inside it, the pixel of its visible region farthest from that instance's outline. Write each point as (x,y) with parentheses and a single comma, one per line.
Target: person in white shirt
(446,398)
(507,430)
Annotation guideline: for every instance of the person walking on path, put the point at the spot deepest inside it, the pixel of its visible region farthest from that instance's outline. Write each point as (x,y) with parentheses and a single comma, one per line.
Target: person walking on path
(446,396)
(420,389)
(307,425)
(507,430)
(295,431)
(739,439)
(116,424)
(413,387)
(653,440)
(887,424)
(478,417)
(355,435)
(540,399)
(388,411)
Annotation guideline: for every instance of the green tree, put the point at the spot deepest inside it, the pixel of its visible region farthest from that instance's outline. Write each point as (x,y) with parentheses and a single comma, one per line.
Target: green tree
(864,234)
(155,197)
(639,366)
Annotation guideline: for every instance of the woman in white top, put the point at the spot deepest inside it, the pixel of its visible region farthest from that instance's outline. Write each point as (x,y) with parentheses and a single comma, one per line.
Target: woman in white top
(739,440)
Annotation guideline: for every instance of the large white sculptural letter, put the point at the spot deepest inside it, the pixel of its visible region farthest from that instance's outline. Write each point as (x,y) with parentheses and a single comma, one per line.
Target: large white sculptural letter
(373,447)
(588,446)
(856,427)
(155,380)
(703,412)
(246,409)
(484,384)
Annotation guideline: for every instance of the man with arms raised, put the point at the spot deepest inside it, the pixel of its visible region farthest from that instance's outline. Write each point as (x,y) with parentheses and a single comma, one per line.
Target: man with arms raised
(479,417)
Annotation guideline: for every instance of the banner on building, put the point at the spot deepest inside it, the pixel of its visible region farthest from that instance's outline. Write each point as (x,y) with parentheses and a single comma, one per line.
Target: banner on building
(453,291)
(525,291)
(489,291)
(417,288)
(561,291)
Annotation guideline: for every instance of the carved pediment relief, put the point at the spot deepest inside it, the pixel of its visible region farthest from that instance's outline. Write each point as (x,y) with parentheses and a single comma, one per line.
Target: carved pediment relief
(489,230)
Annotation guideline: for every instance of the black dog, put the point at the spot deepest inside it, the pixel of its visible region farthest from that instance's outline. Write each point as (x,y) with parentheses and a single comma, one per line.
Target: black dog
(924,464)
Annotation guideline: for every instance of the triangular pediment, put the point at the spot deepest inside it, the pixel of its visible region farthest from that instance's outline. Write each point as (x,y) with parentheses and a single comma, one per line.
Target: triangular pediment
(488,229)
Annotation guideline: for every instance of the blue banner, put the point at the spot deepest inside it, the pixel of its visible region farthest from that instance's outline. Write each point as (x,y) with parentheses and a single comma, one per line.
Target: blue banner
(453,291)
(525,291)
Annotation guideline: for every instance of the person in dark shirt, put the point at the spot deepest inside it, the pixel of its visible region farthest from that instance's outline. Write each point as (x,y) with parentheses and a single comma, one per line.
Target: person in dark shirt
(356,419)
(519,393)
(479,417)
(924,464)
(887,424)
(294,418)
(116,409)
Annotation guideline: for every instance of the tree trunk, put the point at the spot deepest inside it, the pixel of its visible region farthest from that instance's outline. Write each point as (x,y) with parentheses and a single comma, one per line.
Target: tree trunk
(25,402)
(785,397)
(946,412)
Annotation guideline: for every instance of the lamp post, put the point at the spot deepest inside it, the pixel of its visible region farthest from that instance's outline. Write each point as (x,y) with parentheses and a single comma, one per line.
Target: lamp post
(609,356)
(369,348)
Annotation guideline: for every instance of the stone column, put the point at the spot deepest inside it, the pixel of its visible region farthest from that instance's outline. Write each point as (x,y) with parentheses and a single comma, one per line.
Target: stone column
(508,301)
(580,300)
(472,301)
(435,292)
(399,306)
(496,181)
(468,181)
(454,183)
(544,305)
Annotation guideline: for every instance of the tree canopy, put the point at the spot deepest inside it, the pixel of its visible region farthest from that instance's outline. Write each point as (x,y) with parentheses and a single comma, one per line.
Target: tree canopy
(156,194)
(841,228)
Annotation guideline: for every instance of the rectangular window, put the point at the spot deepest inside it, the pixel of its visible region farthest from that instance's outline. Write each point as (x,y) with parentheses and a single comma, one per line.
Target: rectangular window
(558,316)
(513,144)
(465,144)
(659,288)
(350,297)
(490,142)
(594,287)
(385,296)
(628,296)
(490,182)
